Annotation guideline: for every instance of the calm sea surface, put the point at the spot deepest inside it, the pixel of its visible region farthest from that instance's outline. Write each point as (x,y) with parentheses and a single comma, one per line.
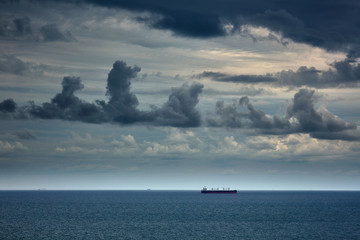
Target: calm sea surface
(179,215)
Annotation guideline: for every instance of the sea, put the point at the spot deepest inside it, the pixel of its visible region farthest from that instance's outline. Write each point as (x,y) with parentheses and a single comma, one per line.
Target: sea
(179,215)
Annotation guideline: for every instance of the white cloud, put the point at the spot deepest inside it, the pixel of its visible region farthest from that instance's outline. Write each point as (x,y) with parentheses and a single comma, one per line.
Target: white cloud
(69,149)
(227,145)
(129,140)
(6,146)
(177,135)
(155,148)
(290,147)
(298,145)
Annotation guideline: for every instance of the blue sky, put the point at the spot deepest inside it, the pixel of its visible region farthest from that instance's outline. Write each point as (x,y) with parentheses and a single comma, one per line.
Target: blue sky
(147,94)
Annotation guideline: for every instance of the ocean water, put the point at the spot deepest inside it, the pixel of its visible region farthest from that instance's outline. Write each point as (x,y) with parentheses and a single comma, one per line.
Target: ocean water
(179,215)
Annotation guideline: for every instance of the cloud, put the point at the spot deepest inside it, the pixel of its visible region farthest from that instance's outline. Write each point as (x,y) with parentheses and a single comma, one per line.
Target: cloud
(6,146)
(263,35)
(51,33)
(155,148)
(228,146)
(295,144)
(8,106)
(244,90)
(347,135)
(180,109)
(25,135)
(230,117)
(122,105)
(18,28)
(21,29)
(302,109)
(177,135)
(331,25)
(186,23)
(221,77)
(67,106)
(12,64)
(301,117)
(344,74)
(23,26)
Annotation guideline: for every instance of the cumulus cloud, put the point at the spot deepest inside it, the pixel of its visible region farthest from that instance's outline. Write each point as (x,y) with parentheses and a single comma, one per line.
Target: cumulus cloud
(122,105)
(310,120)
(301,117)
(176,135)
(8,106)
(67,106)
(180,109)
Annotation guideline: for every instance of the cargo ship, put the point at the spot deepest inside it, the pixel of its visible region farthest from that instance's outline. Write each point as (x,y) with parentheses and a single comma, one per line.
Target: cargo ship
(205,190)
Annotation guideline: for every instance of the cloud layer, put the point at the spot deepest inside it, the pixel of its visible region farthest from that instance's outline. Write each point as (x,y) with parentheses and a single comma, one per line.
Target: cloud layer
(321,27)
(344,74)
(180,109)
(20,28)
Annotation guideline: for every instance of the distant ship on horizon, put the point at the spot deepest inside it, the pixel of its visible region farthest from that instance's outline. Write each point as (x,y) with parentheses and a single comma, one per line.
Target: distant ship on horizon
(228,190)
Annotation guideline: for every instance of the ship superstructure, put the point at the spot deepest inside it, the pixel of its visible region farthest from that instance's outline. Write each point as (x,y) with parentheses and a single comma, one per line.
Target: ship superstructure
(217,190)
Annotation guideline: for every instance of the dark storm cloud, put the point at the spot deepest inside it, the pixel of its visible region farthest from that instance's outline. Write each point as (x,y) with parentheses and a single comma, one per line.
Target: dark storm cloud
(121,106)
(66,98)
(202,25)
(16,28)
(180,109)
(123,103)
(332,25)
(344,74)
(8,106)
(23,26)
(67,106)
(347,135)
(301,117)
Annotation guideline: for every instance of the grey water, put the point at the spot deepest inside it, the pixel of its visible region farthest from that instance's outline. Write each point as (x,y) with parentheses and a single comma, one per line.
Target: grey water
(179,215)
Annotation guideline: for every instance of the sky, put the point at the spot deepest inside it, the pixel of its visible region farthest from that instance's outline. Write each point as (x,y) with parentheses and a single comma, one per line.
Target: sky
(138,94)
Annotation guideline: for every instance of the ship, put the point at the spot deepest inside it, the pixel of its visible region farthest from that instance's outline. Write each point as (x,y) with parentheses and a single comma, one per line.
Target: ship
(226,191)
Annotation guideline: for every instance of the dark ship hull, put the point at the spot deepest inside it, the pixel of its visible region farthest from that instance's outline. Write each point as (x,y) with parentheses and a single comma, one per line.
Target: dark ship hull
(219,191)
